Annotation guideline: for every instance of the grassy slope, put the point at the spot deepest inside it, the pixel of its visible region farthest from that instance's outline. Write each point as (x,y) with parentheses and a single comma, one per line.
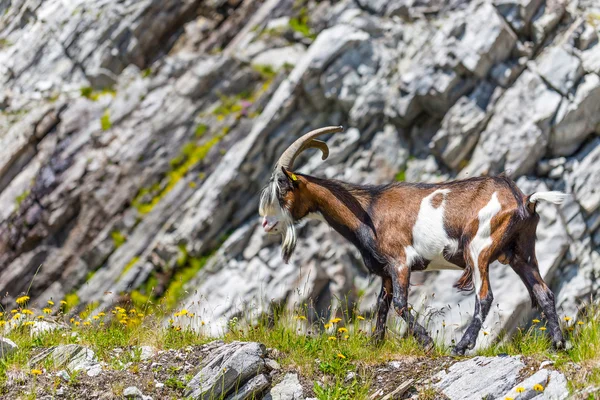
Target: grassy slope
(339,348)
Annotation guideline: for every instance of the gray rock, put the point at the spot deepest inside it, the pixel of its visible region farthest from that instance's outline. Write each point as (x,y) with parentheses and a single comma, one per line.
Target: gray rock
(72,356)
(227,366)
(278,57)
(577,118)
(462,125)
(133,392)
(546,19)
(585,179)
(288,389)
(516,137)
(518,13)
(7,347)
(554,386)
(560,68)
(479,377)
(251,389)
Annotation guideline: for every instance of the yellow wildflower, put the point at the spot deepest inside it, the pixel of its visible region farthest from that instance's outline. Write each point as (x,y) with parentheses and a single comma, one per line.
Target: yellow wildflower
(77,323)
(101,314)
(538,388)
(567,319)
(171,321)
(132,311)
(340,355)
(72,320)
(485,333)
(35,372)
(63,303)
(335,320)
(27,311)
(16,316)
(202,323)
(360,317)
(101,323)
(96,317)
(2,322)
(342,330)
(40,317)
(327,326)
(87,323)
(50,303)
(47,310)
(123,322)
(579,323)
(508,398)
(1,313)
(191,315)
(542,328)
(301,317)
(29,323)
(13,311)
(332,338)
(535,321)
(346,337)
(22,300)
(520,389)
(141,315)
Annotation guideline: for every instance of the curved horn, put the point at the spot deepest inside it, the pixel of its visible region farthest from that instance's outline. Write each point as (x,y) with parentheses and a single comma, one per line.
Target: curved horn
(306,141)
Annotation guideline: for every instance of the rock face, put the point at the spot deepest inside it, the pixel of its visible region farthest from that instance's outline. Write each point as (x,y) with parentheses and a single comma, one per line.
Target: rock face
(135,138)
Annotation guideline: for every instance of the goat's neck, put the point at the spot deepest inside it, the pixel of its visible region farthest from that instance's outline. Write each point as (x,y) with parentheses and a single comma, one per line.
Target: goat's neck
(342,207)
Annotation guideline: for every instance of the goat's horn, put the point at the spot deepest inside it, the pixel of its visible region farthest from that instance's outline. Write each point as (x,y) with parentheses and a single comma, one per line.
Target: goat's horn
(307,141)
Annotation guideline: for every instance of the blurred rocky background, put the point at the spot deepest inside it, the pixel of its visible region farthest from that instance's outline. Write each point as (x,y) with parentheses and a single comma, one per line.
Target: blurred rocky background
(135,137)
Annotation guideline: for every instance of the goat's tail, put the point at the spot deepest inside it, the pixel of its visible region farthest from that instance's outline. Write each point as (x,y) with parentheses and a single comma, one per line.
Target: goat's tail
(553,197)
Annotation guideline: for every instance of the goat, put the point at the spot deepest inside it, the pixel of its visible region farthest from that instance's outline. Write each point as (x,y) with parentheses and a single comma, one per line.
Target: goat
(403,227)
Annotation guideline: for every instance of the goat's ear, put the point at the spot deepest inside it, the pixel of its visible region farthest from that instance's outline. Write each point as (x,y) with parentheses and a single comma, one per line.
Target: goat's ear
(291,176)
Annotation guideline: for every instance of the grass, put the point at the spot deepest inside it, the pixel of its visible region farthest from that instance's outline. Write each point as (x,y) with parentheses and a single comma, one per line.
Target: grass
(20,198)
(93,94)
(323,351)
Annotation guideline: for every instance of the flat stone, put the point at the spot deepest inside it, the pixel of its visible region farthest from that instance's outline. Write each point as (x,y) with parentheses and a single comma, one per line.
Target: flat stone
(479,377)
(288,389)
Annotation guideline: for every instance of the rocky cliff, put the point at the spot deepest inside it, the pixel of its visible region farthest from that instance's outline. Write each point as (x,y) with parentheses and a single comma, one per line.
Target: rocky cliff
(135,137)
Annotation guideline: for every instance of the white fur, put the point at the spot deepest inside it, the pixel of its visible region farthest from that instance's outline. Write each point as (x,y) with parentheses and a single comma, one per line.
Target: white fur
(552,197)
(317,216)
(430,239)
(483,238)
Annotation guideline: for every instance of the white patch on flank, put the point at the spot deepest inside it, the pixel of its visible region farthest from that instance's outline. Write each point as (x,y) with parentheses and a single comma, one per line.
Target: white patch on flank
(483,238)
(430,239)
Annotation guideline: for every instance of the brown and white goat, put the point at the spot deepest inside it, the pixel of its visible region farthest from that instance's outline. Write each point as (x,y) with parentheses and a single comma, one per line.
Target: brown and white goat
(403,227)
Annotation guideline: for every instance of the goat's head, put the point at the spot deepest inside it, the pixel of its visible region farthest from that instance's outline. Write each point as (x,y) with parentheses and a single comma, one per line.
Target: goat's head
(283,201)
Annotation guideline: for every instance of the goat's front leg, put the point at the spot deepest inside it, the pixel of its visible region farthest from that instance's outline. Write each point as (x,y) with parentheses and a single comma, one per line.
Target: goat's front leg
(400,281)
(383,306)
(483,303)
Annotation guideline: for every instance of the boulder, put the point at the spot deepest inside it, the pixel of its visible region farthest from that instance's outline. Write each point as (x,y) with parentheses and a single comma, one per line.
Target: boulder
(479,377)
(226,367)
(553,385)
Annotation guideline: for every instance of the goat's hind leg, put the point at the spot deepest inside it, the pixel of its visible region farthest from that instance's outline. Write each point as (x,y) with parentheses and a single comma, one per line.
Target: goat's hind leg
(383,306)
(483,303)
(400,281)
(540,293)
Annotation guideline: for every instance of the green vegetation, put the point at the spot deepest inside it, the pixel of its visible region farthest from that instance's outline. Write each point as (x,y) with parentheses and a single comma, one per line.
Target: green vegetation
(130,264)
(341,345)
(71,301)
(200,130)
(300,24)
(191,154)
(20,198)
(105,123)
(94,94)
(118,238)
(401,176)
